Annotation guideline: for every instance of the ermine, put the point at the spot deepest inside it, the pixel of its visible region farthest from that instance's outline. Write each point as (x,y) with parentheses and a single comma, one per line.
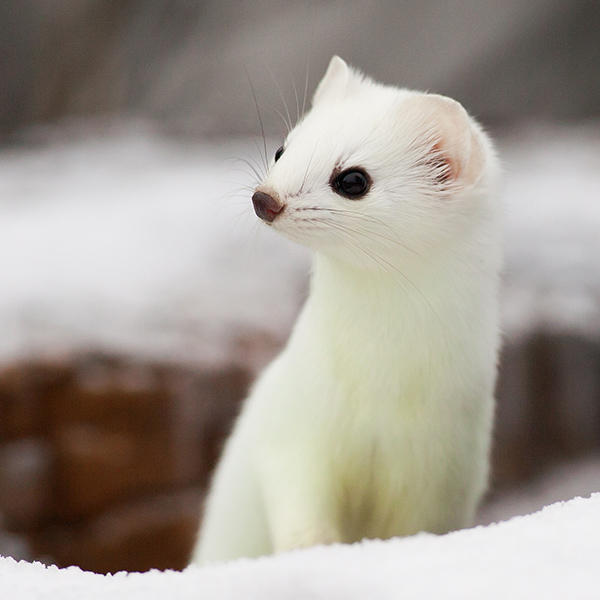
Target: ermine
(375,420)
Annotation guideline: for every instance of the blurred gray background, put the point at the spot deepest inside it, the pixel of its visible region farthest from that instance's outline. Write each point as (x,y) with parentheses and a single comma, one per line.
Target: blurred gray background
(182,61)
(134,315)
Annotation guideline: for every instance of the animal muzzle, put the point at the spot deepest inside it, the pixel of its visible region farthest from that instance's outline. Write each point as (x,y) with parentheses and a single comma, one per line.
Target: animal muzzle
(266,207)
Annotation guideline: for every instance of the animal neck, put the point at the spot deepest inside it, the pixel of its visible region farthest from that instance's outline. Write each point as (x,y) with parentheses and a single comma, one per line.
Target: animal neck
(428,303)
(383,294)
(381,331)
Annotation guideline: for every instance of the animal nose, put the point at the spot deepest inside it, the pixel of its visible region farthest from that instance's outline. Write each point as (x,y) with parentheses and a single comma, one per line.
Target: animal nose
(266,207)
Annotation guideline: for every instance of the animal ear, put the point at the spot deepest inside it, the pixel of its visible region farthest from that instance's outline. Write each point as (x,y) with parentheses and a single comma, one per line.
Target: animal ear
(455,146)
(334,84)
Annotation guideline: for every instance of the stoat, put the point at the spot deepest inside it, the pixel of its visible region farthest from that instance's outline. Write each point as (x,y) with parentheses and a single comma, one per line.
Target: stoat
(375,420)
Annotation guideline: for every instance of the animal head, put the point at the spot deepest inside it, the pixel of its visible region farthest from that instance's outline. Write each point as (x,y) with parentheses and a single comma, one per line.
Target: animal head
(376,171)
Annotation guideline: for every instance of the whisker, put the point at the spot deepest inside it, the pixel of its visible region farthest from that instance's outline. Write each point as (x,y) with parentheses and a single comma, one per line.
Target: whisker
(262,128)
(252,173)
(252,167)
(263,168)
(243,172)
(297,101)
(242,189)
(258,166)
(361,217)
(288,122)
(310,44)
(288,127)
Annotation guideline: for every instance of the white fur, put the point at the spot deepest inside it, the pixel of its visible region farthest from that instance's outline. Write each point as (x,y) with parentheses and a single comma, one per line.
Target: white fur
(375,420)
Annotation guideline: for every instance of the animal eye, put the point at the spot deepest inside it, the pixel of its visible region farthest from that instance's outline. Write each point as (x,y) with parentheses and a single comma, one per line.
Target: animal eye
(278,153)
(352,183)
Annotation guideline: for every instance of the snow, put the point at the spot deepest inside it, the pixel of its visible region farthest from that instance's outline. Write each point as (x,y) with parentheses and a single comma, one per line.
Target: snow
(552,554)
(123,239)
(552,196)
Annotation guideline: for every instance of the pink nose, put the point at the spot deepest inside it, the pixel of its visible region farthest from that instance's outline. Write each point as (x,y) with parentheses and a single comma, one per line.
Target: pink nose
(266,207)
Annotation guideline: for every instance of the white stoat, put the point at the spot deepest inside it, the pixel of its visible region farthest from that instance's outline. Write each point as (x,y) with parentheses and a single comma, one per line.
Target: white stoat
(375,420)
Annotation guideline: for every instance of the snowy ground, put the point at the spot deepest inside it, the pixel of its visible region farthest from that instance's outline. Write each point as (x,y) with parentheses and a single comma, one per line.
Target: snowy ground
(130,241)
(552,554)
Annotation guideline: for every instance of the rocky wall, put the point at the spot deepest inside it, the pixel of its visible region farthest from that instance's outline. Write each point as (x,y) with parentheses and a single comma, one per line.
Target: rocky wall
(104,460)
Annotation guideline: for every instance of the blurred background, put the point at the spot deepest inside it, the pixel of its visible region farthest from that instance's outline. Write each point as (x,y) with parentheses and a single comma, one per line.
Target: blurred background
(139,297)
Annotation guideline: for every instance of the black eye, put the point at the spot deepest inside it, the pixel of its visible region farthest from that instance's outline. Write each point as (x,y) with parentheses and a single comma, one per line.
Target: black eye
(351,183)
(278,153)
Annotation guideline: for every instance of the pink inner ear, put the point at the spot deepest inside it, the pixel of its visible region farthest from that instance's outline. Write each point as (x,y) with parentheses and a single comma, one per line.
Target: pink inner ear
(443,170)
(454,153)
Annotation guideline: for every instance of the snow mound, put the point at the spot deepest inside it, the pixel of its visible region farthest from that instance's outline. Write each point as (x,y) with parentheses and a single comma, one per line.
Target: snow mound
(552,554)
(125,240)
(552,194)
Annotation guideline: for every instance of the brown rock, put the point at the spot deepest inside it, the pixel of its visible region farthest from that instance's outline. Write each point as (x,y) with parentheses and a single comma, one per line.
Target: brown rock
(88,438)
(25,483)
(155,532)
(116,394)
(27,392)
(96,466)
